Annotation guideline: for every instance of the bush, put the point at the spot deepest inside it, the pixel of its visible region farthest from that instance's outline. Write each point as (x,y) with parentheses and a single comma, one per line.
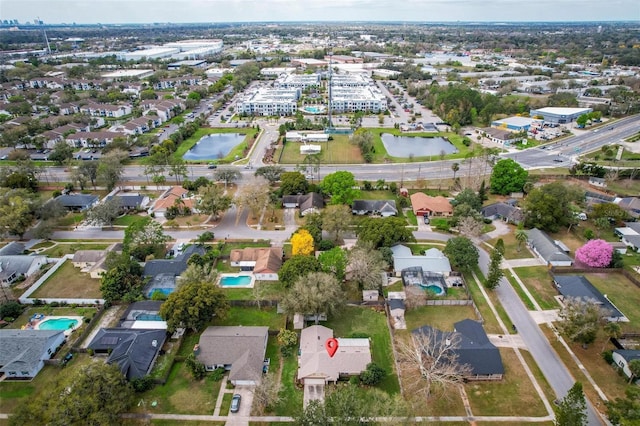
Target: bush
(607,356)
(196,368)
(354,380)
(217,374)
(373,374)
(90,352)
(142,384)
(325,245)
(11,309)
(56,193)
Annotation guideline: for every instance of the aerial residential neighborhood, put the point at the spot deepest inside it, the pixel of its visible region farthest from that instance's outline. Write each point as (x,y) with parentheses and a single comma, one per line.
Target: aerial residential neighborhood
(319,223)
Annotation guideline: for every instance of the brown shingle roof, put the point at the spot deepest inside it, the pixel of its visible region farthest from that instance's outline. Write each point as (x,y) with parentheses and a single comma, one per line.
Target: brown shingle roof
(422,201)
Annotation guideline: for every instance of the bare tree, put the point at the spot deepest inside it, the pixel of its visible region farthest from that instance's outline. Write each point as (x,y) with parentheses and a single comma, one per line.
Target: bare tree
(416,297)
(254,196)
(470,227)
(365,266)
(266,393)
(580,320)
(429,363)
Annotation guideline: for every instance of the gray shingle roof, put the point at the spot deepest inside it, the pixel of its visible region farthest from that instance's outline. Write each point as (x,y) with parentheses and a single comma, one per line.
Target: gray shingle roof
(12,249)
(22,350)
(474,347)
(381,206)
(544,245)
(504,211)
(580,287)
(133,350)
(18,265)
(172,266)
(77,200)
(241,347)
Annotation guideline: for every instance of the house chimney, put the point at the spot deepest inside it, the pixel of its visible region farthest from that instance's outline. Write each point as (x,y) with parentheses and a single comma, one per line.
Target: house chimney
(154,343)
(447,342)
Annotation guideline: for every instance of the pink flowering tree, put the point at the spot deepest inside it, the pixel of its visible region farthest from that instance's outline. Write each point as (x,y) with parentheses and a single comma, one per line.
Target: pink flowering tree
(595,254)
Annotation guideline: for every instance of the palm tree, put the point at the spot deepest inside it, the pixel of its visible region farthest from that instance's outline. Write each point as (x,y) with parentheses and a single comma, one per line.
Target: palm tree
(613,331)
(521,238)
(455,167)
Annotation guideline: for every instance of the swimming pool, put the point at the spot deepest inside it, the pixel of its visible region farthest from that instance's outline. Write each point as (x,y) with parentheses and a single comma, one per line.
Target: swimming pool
(435,289)
(57,324)
(314,109)
(236,281)
(164,290)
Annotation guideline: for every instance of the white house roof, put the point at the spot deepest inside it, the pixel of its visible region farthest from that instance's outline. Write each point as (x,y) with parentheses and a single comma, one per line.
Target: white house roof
(432,261)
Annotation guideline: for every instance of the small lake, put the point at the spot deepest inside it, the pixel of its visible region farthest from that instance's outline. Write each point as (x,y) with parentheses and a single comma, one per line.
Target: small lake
(405,146)
(214,146)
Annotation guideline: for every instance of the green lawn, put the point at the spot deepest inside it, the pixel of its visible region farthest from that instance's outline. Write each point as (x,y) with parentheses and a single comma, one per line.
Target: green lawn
(253,317)
(337,151)
(43,244)
(540,285)
(376,195)
(490,322)
(374,324)
(63,248)
(623,294)
(181,394)
(512,250)
(290,394)
(128,219)
(71,219)
(440,317)
(497,398)
(268,290)
(228,246)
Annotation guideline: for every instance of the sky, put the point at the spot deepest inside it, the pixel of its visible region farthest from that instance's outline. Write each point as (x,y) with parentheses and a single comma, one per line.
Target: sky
(146,11)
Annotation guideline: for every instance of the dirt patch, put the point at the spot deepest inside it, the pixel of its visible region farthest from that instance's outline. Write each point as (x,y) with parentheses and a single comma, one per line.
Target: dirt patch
(110,318)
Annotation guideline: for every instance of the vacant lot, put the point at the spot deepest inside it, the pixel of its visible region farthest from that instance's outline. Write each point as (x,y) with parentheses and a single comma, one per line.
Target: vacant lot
(512,250)
(337,151)
(623,294)
(61,249)
(68,281)
(253,317)
(496,398)
(440,317)
(539,284)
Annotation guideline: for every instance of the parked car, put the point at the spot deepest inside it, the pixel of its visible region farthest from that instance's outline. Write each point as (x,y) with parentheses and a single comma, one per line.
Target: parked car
(212,166)
(235,403)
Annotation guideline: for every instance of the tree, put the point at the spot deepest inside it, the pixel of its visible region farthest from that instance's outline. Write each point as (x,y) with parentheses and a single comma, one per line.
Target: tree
(313,224)
(227,175)
(293,183)
(194,305)
(195,367)
(104,213)
(177,169)
(580,320)
(634,368)
(366,266)
(572,409)
(549,207)
(339,185)
(334,262)
(288,340)
(507,177)
(373,375)
(144,237)
(625,411)
(213,200)
(89,169)
(462,253)
(429,362)
(385,231)
(296,267)
(61,152)
(336,220)
(266,393)
(122,281)
(11,309)
(495,273)
(270,173)
(468,197)
(302,243)
(470,226)
(613,331)
(16,215)
(110,168)
(254,196)
(521,237)
(95,394)
(314,294)
(595,254)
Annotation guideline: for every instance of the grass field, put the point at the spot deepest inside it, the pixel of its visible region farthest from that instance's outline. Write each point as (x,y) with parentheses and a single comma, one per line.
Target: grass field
(496,398)
(337,151)
(511,249)
(253,317)
(623,294)
(518,289)
(290,394)
(539,283)
(440,317)
(490,322)
(68,281)
(363,320)
(61,249)
(128,219)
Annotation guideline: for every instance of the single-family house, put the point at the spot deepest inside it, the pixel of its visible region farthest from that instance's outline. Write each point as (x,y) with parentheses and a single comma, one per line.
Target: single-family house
(264,262)
(579,287)
(622,358)
(503,211)
(163,273)
(315,366)
(77,202)
(553,252)
(472,346)
(134,351)
(630,234)
(596,181)
(13,267)
(501,136)
(13,248)
(433,260)
(168,199)
(23,352)
(239,350)
(631,205)
(384,208)
(131,202)
(92,262)
(308,203)
(425,205)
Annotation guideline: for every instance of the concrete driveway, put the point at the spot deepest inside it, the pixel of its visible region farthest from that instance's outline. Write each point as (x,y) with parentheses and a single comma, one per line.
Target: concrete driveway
(241,418)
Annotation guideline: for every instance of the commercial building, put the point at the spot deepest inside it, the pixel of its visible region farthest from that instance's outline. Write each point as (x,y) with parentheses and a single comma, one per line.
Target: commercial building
(269,102)
(119,74)
(517,124)
(297,81)
(153,53)
(195,63)
(351,99)
(276,71)
(557,115)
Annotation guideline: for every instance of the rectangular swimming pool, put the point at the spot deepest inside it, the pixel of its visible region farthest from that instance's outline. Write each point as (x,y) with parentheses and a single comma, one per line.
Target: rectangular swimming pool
(235,281)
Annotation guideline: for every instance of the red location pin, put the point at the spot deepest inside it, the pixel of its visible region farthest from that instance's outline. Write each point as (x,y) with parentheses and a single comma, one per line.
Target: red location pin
(331,345)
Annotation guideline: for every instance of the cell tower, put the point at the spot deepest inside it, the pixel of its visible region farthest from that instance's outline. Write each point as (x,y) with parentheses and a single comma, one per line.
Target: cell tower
(330,89)
(46,39)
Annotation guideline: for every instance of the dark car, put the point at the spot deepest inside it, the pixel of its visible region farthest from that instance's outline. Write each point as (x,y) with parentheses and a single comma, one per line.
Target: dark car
(212,166)
(235,403)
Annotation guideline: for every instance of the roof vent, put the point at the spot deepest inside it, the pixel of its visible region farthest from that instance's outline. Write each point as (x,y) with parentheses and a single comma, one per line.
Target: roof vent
(154,343)
(447,342)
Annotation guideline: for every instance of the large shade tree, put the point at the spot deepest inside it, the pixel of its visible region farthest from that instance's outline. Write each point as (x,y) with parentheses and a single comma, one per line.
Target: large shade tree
(314,294)
(462,253)
(507,177)
(595,254)
(384,232)
(340,186)
(549,207)
(193,305)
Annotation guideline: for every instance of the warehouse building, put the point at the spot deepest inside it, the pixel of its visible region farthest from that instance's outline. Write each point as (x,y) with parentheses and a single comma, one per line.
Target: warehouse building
(517,124)
(557,115)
